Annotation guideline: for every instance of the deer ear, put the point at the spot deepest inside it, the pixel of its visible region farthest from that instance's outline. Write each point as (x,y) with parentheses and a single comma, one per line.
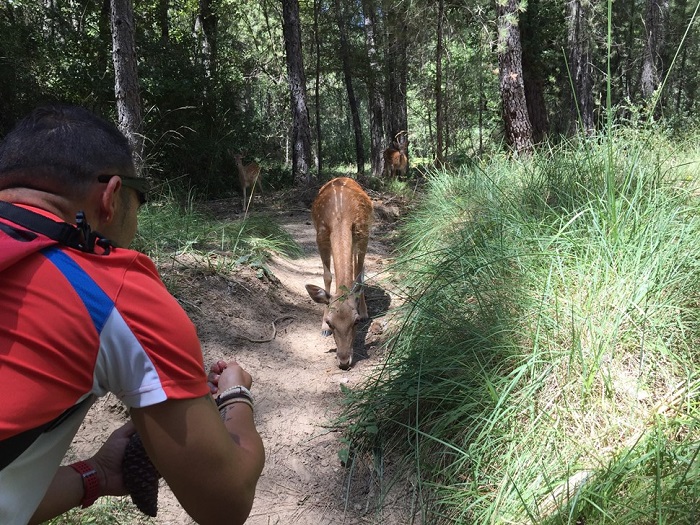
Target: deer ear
(318,294)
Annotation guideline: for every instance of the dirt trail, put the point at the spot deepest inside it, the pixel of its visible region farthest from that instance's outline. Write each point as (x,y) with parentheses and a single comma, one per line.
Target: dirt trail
(296,381)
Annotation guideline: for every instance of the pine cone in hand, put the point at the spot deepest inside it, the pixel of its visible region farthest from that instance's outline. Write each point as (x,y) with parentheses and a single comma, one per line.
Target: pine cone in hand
(140,476)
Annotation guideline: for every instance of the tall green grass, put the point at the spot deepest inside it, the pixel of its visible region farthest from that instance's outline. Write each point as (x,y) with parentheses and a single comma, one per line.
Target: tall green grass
(543,368)
(170,228)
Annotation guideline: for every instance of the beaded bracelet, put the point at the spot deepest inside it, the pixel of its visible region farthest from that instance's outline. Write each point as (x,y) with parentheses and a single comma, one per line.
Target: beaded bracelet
(240,390)
(236,392)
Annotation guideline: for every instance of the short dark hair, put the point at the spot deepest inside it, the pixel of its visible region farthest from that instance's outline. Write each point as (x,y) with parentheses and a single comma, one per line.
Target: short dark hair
(62,148)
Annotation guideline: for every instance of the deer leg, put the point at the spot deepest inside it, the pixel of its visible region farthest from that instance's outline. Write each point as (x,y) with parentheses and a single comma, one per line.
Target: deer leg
(324,248)
(257,181)
(327,278)
(360,268)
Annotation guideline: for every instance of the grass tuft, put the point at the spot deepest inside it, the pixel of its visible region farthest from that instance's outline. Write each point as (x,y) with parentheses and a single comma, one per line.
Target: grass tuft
(169,229)
(105,511)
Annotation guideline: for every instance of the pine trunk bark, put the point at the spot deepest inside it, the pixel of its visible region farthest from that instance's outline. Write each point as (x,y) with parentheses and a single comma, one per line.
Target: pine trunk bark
(579,42)
(533,76)
(654,25)
(376,104)
(207,23)
(163,22)
(352,100)
(439,121)
(397,72)
(126,80)
(301,131)
(317,94)
(518,129)
(680,71)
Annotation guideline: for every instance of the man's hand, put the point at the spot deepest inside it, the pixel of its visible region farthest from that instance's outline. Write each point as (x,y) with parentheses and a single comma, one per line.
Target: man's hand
(66,489)
(223,375)
(214,374)
(108,461)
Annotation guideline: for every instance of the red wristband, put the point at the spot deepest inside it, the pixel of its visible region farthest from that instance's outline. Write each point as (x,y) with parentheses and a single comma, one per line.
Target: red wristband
(91,485)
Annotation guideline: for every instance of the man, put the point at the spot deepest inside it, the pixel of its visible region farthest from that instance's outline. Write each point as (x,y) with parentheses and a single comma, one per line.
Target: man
(80,316)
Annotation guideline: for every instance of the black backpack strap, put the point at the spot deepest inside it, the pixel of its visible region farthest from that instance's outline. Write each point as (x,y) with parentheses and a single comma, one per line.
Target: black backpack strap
(79,237)
(62,232)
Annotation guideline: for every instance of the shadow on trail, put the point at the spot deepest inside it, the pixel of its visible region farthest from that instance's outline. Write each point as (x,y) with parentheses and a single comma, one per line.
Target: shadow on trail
(378,303)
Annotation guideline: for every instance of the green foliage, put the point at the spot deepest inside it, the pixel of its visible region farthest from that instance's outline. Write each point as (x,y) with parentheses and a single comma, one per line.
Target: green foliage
(276,175)
(106,511)
(542,369)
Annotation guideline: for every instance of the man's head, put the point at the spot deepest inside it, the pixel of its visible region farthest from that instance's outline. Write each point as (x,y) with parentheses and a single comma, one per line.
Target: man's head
(67,158)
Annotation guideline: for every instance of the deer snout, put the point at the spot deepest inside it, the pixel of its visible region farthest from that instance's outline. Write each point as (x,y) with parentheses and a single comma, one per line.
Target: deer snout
(344,365)
(344,332)
(344,350)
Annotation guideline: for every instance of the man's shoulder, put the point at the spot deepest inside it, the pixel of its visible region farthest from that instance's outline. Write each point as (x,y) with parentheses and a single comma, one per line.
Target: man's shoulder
(17,243)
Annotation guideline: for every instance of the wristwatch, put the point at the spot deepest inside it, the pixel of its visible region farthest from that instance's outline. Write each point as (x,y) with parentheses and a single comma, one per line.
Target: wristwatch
(91,485)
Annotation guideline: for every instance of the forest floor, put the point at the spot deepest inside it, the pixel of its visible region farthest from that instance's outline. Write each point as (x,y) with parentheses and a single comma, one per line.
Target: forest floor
(296,380)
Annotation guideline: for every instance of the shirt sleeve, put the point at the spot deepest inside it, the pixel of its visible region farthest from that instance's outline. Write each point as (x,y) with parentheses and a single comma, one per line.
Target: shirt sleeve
(149,349)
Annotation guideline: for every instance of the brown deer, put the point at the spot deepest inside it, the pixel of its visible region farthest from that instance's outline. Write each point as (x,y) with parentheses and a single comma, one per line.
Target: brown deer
(248,176)
(395,159)
(342,215)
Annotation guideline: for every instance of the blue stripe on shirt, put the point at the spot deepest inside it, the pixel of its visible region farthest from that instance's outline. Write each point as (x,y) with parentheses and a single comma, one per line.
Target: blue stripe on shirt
(97,302)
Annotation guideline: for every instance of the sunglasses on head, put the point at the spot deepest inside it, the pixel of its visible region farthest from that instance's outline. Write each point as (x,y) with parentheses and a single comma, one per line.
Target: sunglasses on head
(140,186)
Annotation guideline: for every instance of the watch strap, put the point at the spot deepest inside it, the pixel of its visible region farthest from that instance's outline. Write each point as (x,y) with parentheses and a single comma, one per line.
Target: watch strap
(91,485)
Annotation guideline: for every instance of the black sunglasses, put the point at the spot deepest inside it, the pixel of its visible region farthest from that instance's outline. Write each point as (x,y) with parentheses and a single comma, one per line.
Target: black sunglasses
(140,186)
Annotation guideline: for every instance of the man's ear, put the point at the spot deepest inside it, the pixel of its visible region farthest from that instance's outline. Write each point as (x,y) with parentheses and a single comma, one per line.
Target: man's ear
(108,200)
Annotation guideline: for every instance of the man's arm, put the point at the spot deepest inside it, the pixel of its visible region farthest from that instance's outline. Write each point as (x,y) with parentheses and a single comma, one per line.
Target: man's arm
(67,490)
(212,468)
(64,493)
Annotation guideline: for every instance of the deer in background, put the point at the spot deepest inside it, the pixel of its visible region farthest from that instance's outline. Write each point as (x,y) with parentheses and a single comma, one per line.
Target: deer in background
(395,158)
(342,215)
(248,176)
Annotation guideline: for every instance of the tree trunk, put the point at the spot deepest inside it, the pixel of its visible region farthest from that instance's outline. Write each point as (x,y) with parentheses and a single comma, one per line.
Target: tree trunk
(163,22)
(301,132)
(515,118)
(105,28)
(482,93)
(397,72)
(207,23)
(352,101)
(536,106)
(438,86)
(680,71)
(654,22)
(533,76)
(126,82)
(317,42)
(579,42)
(376,105)
(681,79)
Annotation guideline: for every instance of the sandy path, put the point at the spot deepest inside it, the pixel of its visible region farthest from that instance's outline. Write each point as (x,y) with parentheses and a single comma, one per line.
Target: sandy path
(296,384)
